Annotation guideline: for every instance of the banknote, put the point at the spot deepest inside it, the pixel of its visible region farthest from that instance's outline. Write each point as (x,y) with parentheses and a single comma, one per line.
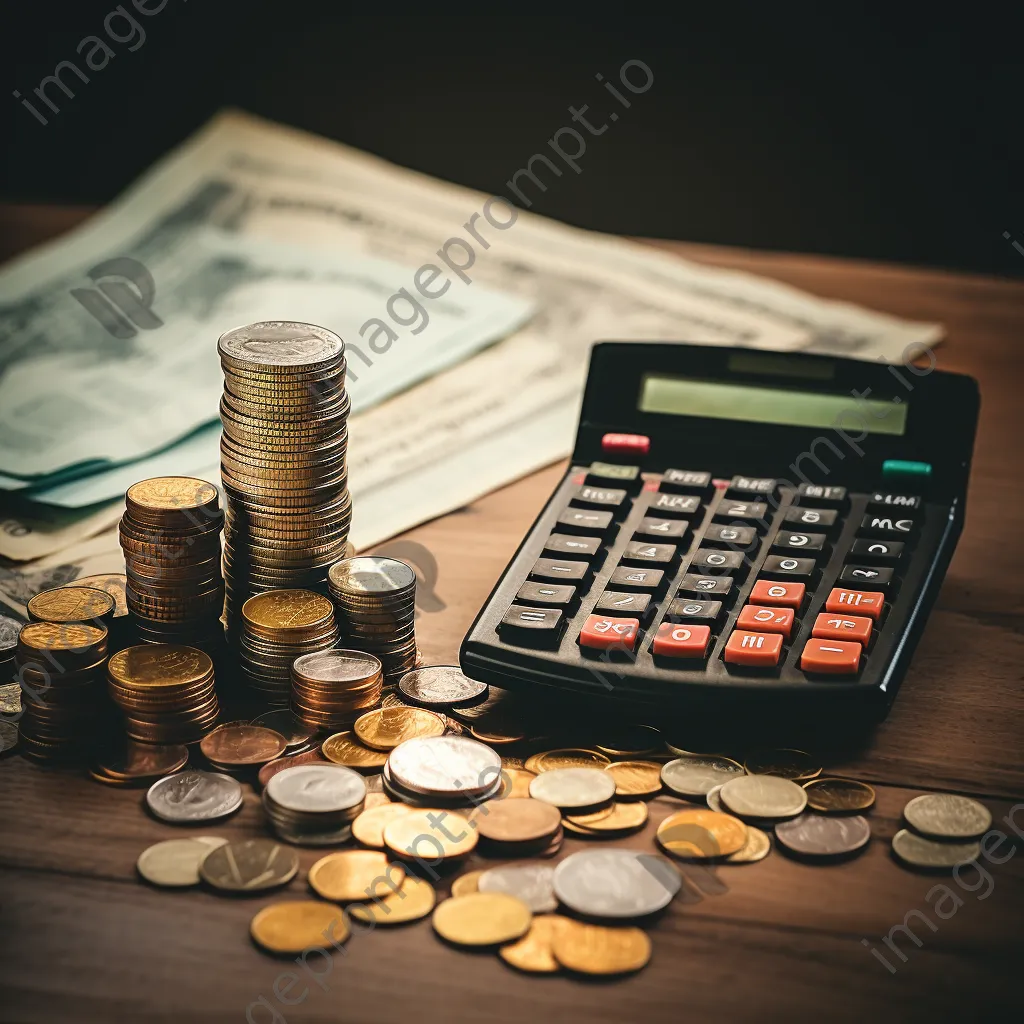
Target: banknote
(31,530)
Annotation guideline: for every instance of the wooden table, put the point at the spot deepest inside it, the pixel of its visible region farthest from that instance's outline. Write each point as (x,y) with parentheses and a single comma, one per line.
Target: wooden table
(84,940)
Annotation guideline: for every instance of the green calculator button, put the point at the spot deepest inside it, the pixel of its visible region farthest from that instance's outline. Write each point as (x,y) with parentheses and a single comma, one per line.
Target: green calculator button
(902,467)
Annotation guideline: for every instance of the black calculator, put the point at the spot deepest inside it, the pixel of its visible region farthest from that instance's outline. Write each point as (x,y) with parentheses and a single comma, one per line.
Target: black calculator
(736,525)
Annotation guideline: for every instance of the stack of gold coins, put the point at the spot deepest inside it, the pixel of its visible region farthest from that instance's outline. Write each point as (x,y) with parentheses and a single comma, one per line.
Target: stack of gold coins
(166,692)
(285,412)
(375,600)
(332,688)
(170,534)
(60,669)
(276,628)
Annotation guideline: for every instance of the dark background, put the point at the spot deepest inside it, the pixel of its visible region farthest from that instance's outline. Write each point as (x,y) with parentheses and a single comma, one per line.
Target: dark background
(884,135)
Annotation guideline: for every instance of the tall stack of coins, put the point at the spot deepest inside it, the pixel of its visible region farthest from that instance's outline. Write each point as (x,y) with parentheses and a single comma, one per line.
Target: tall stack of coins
(170,534)
(60,669)
(375,600)
(166,692)
(331,689)
(284,412)
(276,628)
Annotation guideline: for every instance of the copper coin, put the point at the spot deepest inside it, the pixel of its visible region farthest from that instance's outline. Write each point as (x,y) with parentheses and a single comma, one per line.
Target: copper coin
(241,744)
(515,820)
(144,760)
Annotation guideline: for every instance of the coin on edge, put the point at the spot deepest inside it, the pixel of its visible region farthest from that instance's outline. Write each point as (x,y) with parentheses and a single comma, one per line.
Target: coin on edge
(175,862)
(414,899)
(593,949)
(533,952)
(297,925)
(249,865)
(482,919)
(919,852)
(838,796)
(947,816)
(354,875)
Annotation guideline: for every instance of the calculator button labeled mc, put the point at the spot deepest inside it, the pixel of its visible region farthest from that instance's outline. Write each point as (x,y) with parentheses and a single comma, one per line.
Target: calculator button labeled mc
(887,526)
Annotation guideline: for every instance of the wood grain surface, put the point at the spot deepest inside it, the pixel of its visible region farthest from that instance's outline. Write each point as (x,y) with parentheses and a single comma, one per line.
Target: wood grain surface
(85,940)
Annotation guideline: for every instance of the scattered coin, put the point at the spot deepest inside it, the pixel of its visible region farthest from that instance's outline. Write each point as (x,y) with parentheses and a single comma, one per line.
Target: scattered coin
(467,883)
(567,757)
(613,883)
(238,745)
(919,852)
(344,748)
(573,788)
(947,816)
(819,835)
(515,782)
(534,951)
(698,833)
(838,796)
(767,797)
(283,720)
(531,883)
(139,762)
(175,862)
(621,817)
(414,899)
(635,778)
(497,731)
(249,865)
(420,834)
(444,766)
(515,820)
(693,775)
(368,828)
(756,848)
(440,684)
(297,925)
(385,728)
(797,765)
(631,741)
(482,919)
(192,796)
(271,768)
(592,949)
(354,875)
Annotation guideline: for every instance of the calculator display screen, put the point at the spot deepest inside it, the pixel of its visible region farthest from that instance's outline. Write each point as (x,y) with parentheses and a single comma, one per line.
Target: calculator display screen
(683,396)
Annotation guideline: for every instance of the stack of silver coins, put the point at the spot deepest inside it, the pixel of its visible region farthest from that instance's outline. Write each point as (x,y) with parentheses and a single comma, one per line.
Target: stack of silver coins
(314,804)
(375,602)
(283,449)
(442,771)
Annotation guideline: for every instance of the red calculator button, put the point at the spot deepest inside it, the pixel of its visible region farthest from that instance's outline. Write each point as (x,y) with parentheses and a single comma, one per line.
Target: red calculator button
(855,628)
(604,631)
(786,595)
(768,620)
(629,443)
(674,641)
(858,602)
(758,649)
(837,657)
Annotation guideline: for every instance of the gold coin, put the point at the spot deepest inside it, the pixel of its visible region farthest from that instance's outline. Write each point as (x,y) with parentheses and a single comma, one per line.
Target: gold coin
(785,763)
(467,883)
(385,728)
(287,609)
(623,817)
(516,820)
(700,833)
(70,604)
(482,919)
(635,778)
(174,863)
(515,782)
(159,665)
(297,925)
(177,493)
(567,757)
(429,833)
(631,741)
(414,899)
(497,733)
(593,949)
(110,583)
(354,875)
(756,848)
(533,952)
(838,796)
(60,636)
(342,748)
(368,828)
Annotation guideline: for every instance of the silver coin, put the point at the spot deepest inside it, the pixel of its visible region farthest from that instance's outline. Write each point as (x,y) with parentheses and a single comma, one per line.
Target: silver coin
(929,853)
(280,343)
(192,795)
(947,816)
(447,766)
(714,801)
(765,797)
(402,795)
(573,788)
(337,665)
(175,863)
(614,883)
(440,684)
(371,575)
(316,789)
(532,883)
(283,720)
(823,835)
(694,775)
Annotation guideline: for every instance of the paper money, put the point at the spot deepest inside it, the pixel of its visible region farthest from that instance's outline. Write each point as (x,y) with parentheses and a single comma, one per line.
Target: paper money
(32,531)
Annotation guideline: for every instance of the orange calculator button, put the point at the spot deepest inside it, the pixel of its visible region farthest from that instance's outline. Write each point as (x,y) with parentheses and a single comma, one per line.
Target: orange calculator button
(675,641)
(787,595)
(604,631)
(838,657)
(768,620)
(856,628)
(855,602)
(757,649)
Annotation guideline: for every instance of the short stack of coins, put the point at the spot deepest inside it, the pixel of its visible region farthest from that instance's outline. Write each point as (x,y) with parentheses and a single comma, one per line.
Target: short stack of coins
(375,601)
(166,692)
(170,535)
(276,628)
(121,628)
(332,688)
(283,459)
(60,669)
(314,804)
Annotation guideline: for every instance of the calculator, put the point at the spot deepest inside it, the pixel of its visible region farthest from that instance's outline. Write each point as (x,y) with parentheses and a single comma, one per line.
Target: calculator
(738,526)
